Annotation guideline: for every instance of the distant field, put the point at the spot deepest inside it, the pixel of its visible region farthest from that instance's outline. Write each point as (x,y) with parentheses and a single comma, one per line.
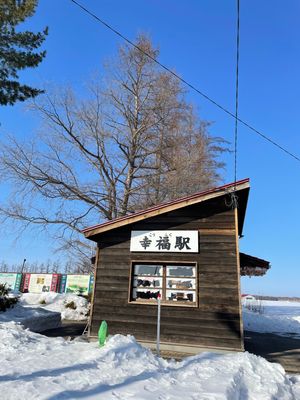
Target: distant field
(281,317)
(276,298)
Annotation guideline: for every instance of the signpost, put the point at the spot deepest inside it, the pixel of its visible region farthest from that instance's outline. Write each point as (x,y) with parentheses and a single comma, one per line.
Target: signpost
(158,325)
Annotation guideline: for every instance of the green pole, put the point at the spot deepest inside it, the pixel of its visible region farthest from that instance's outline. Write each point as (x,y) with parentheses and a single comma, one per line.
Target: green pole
(102,333)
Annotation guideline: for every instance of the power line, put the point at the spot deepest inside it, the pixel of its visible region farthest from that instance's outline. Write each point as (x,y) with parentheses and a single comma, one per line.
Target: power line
(237,88)
(187,83)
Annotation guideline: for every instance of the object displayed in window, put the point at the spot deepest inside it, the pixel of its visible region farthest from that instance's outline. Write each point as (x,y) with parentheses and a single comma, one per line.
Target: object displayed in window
(174,283)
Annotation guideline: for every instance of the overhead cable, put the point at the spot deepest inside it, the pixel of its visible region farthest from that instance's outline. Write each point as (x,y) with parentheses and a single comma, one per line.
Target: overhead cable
(187,83)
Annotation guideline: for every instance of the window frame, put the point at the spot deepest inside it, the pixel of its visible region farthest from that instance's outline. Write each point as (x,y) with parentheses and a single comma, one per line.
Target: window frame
(164,265)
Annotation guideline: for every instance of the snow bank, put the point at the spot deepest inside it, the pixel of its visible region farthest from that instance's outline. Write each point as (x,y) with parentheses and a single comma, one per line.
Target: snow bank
(39,312)
(281,317)
(71,306)
(35,319)
(36,367)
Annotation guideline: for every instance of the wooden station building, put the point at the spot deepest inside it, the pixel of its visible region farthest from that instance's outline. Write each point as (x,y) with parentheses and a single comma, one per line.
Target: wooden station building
(186,251)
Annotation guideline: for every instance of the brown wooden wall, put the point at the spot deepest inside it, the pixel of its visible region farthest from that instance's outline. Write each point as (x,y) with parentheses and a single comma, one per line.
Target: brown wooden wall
(216,320)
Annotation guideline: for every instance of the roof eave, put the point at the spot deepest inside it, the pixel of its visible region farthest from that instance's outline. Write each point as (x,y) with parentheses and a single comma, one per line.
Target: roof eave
(253,266)
(91,232)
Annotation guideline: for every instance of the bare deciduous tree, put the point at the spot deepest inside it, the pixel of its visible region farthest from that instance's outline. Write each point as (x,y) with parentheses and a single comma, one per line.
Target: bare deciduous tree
(134,142)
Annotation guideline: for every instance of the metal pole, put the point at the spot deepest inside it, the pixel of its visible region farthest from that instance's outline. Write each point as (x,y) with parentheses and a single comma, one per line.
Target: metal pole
(158,325)
(23,265)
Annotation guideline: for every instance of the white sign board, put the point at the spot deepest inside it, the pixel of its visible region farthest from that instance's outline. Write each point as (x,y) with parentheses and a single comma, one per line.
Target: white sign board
(165,241)
(40,283)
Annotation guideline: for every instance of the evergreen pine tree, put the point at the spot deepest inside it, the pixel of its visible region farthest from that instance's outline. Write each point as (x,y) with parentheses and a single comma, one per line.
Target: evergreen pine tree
(17,50)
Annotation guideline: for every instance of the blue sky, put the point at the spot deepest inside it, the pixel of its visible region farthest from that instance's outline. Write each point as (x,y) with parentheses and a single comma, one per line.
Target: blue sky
(197,38)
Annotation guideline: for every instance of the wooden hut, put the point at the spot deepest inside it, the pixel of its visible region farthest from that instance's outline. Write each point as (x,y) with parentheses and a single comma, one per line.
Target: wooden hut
(185,250)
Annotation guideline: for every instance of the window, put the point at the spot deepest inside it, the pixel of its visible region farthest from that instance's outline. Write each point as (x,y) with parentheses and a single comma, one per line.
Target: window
(176,283)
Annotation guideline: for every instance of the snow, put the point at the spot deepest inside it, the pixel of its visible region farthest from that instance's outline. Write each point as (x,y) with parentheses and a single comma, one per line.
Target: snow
(33,366)
(35,319)
(39,312)
(58,302)
(280,317)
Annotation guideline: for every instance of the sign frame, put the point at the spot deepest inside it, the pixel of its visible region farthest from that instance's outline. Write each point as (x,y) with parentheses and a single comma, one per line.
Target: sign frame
(165,241)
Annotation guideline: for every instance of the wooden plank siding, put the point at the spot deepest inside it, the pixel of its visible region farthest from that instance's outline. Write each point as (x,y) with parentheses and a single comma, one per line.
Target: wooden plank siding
(216,322)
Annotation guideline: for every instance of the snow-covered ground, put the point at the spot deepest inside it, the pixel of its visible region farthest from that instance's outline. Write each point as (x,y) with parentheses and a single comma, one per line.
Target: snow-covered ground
(71,306)
(33,366)
(39,312)
(281,317)
(36,319)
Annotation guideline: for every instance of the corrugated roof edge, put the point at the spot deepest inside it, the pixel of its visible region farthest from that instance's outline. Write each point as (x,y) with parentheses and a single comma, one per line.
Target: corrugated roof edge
(170,203)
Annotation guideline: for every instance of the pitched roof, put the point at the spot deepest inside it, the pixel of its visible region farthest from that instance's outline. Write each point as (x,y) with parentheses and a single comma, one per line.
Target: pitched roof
(159,209)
